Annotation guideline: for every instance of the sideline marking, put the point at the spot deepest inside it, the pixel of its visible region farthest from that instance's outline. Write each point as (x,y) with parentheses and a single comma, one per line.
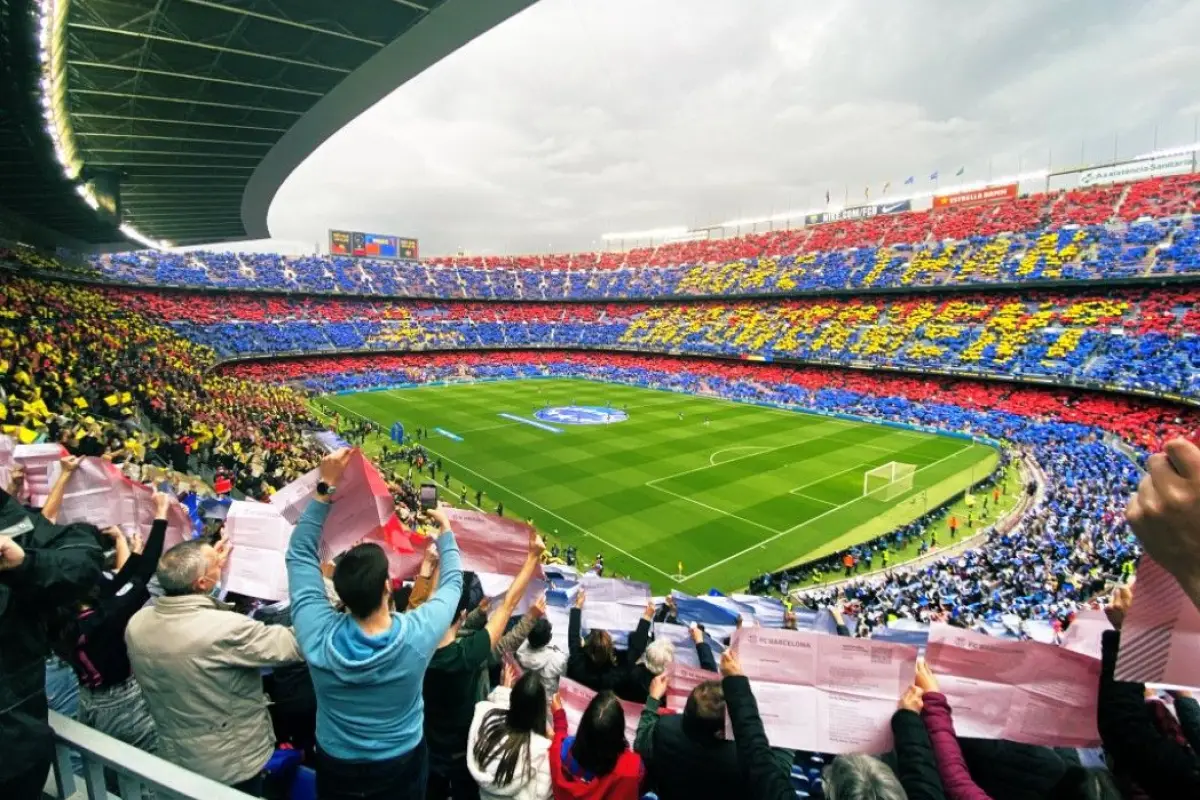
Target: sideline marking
(465,468)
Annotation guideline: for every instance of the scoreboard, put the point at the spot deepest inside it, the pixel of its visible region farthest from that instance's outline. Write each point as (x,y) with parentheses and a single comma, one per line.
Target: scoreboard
(371,245)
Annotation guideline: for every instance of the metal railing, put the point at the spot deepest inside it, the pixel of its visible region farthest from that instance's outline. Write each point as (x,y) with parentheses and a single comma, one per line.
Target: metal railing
(138,774)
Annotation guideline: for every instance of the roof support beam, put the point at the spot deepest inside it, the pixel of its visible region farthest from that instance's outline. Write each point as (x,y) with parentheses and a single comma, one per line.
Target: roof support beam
(411,4)
(206,78)
(183,101)
(281,21)
(91,115)
(208,167)
(171,138)
(179,153)
(216,48)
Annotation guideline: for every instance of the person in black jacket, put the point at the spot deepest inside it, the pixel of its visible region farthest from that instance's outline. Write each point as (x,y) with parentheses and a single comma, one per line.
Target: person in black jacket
(594,662)
(687,755)
(1161,766)
(42,567)
(656,660)
(91,639)
(916,767)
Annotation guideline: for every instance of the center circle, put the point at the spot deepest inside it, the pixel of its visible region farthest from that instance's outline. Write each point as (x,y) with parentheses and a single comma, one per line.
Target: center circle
(581,415)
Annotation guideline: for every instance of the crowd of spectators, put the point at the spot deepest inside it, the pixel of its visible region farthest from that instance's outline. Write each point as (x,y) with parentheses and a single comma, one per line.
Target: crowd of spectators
(360,687)
(1140,339)
(1093,233)
(96,376)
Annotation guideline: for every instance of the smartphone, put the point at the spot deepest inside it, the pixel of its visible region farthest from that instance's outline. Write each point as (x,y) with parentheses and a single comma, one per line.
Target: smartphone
(429,495)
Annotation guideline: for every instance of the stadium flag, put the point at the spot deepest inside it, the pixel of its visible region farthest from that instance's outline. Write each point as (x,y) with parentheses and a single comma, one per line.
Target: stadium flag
(796,677)
(1044,694)
(867,192)
(97,492)
(961,170)
(1160,639)
(886,185)
(826,197)
(909,180)
(933,176)
(489,543)
(259,535)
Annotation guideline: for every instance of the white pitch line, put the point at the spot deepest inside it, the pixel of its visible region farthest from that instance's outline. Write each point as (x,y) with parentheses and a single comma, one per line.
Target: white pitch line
(721,511)
(739,458)
(731,449)
(810,497)
(606,543)
(798,526)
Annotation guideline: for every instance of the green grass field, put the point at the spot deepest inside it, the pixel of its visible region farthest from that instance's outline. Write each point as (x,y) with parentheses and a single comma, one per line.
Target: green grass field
(751,491)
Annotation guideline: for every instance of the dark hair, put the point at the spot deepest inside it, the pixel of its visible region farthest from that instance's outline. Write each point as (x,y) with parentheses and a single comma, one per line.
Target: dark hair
(505,735)
(539,634)
(704,714)
(600,740)
(360,578)
(400,598)
(598,647)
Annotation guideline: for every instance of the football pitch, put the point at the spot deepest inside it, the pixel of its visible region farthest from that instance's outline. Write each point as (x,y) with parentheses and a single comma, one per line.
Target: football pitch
(729,490)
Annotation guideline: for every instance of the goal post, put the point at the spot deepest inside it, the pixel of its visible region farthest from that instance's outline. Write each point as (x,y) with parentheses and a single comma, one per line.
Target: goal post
(889,481)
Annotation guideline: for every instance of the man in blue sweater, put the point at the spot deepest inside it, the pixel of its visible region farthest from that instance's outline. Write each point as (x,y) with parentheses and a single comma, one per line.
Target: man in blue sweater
(367,665)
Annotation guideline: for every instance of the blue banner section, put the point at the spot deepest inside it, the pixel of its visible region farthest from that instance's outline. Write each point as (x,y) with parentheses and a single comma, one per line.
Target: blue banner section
(329,441)
(914,638)
(700,609)
(397,433)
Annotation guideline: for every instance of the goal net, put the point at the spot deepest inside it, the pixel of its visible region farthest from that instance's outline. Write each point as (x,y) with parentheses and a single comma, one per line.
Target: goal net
(888,481)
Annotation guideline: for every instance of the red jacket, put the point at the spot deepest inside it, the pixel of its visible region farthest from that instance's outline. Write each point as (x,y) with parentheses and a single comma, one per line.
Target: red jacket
(623,783)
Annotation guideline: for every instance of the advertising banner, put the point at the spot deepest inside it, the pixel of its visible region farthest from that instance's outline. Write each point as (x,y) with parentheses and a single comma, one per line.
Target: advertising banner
(990,194)
(859,212)
(1136,170)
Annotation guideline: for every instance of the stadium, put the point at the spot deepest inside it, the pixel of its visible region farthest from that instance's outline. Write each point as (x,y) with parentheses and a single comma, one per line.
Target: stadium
(915,420)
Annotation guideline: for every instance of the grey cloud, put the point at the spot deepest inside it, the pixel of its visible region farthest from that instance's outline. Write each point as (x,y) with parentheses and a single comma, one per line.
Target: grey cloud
(576,118)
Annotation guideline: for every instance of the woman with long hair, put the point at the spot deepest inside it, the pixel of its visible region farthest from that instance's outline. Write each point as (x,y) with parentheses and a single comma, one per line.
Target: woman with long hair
(596,763)
(509,743)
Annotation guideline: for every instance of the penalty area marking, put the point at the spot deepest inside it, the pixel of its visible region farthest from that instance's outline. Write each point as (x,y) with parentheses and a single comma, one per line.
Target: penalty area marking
(822,515)
(712,460)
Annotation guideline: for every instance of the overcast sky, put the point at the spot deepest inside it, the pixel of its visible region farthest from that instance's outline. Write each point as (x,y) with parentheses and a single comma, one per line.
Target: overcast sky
(580,117)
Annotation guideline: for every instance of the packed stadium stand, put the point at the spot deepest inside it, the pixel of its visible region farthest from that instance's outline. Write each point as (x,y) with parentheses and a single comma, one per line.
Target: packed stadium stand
(1098,233)
(944,320)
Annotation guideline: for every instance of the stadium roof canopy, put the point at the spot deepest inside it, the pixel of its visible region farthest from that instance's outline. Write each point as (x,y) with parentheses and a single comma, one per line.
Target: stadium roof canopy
(203,107)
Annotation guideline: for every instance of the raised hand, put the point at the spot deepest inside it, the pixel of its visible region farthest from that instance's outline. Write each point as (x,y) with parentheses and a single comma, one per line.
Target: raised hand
(223,548)
(11,554)
(538,609)
(508,676)
(333,466)
(730,666)
(162,505)
(1118,606)
(911,699)
(580,598)
(536,545)
(69,463)
(648,614)
(926,681)
(658,686)
(1165,512)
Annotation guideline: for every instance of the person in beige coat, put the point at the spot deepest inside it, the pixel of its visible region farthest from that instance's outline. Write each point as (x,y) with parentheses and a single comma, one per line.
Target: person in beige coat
(198,663)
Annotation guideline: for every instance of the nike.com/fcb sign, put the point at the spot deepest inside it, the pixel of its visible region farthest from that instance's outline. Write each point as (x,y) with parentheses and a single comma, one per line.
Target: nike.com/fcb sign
(581,415)
(858,212)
